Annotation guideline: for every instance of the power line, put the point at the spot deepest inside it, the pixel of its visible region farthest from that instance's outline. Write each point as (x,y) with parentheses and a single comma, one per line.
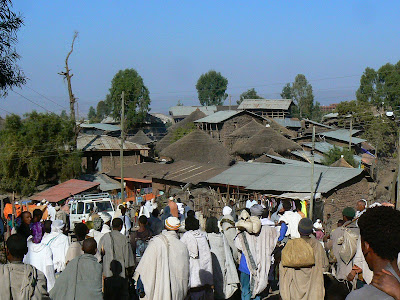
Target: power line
(26,98)
(46,98)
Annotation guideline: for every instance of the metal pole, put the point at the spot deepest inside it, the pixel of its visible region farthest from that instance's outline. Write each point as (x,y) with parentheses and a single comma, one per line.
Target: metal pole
(121,154)
(312,175)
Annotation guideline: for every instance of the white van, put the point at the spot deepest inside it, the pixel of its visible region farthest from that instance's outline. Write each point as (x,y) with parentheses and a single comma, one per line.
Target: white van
(83,205)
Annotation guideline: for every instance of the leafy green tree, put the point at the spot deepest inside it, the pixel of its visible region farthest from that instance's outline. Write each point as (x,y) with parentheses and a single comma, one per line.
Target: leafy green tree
(137,97)
(63,114)
(102,110)
(302,94)
(381,133)
(211,88)
(249,94)
(336,153)
(91,114)
(36,150)
(10,74)
(382,87)
(317,113)
(287,92)
(182,131)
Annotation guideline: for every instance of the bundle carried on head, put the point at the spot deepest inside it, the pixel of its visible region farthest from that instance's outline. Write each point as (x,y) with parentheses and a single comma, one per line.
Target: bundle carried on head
(250,224)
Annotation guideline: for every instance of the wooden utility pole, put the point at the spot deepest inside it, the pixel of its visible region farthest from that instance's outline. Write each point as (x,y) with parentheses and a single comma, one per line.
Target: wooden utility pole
(67,75)
(13,210)
(312,175)
(351,131)
(398,174)
(121,154)
(230,99)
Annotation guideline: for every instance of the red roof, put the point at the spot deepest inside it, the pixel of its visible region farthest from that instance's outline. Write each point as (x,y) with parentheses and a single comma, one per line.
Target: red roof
(64,190)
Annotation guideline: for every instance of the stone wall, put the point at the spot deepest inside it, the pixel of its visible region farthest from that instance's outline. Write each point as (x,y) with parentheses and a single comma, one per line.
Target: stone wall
(336,201)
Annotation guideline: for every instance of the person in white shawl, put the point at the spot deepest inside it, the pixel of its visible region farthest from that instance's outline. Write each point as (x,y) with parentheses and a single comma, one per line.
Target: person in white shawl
(226,279)
(256,242)
(40,256)
(58,243)
(164,266)
(228,229)
(201,273)
(20,281)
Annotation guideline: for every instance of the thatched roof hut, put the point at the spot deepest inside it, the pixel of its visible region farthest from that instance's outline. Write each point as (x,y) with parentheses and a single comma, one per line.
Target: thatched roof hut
(185,123)
(140,138)
(244,132)
(341,162)
(262,142)
(198,146)
(194,116)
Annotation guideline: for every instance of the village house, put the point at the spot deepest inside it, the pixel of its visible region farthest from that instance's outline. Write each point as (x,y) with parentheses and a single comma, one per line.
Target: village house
(221,124)
(334,187)
(273,108)
(180,112)
(101,153)
(100,129)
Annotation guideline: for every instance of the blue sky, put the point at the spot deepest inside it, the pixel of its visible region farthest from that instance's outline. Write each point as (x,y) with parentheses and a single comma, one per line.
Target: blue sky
(260,44)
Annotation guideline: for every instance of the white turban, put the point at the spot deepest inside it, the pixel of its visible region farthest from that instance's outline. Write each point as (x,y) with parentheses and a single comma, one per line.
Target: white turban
(57,226)
(105,216)
(226,211)
(318,224)
(172,223)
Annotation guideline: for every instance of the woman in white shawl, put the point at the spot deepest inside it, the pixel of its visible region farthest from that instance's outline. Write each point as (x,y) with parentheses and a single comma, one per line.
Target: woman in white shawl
(227,225)
(58,243)
(201,276)
(39,255)
(226,278)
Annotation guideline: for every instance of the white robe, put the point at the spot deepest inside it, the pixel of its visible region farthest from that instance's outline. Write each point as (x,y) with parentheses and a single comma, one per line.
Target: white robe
(261,247)
(164,268)
(226,279)
(126,226)
(59,244)
(201,272)
(292,220)
(40,256)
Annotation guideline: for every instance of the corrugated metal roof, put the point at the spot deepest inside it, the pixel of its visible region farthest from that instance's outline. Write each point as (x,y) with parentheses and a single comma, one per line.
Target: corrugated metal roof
(88,142)
(64,190)
(343,135)
(181,110)
(288,161)
(330,115)
(101,126)
(218,117)
(265,104)
(288,122)
(189,172)
(318,124)
(180,171)
(284,177)
(106,183)
(323,147)
(306,155)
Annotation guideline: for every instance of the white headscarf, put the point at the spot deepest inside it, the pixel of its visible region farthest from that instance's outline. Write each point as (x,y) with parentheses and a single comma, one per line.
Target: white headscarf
(57,226)
(226,211)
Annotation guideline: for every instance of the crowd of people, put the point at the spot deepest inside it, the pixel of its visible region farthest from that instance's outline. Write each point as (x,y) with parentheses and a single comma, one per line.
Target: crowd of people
(177,253)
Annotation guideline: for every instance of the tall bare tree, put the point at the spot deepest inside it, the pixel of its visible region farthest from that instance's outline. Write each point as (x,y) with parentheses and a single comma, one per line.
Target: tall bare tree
(67,75)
